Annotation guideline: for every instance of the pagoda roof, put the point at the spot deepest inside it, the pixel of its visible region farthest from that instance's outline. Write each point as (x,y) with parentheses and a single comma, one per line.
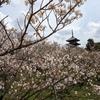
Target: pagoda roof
(72,38)
(74,43)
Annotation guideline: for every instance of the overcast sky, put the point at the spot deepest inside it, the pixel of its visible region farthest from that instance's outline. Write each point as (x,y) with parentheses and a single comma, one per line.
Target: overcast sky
(84,28)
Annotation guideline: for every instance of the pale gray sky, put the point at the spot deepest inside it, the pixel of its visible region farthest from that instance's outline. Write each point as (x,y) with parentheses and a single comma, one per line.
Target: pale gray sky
(86,27)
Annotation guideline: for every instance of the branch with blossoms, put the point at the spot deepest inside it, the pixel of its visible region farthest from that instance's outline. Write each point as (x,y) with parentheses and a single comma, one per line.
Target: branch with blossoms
(43,70)
(31,68)
(4,1)
(64,12)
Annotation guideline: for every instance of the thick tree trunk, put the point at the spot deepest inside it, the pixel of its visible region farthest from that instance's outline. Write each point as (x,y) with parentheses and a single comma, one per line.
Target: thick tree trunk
(1,97)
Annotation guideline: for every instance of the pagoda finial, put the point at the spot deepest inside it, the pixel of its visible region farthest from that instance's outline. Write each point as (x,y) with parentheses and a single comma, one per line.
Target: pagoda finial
(72,33)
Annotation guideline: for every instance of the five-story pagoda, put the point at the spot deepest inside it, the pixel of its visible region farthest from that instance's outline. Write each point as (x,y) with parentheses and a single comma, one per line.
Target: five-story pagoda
(73,41)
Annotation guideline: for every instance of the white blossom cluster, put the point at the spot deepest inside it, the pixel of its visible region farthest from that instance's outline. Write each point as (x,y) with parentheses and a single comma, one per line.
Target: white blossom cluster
(27,68)
(45,65)
(96,89)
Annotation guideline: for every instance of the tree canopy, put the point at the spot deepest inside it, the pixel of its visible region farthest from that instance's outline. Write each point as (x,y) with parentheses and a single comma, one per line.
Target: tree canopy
(33,69)
(92,46)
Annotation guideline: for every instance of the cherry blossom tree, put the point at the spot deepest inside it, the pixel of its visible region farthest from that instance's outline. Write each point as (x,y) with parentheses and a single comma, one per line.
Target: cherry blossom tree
(64,12)
(45,70)
(32,68)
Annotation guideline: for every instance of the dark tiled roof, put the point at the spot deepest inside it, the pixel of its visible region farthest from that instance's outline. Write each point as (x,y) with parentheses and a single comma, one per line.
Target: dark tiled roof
(74,43)
(72,39)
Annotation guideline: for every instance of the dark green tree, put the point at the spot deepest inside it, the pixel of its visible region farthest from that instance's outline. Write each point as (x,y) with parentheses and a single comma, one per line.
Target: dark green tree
(90,44)
(97,46)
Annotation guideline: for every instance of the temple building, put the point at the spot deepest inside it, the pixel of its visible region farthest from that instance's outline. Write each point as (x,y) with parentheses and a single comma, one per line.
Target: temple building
(73,41)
